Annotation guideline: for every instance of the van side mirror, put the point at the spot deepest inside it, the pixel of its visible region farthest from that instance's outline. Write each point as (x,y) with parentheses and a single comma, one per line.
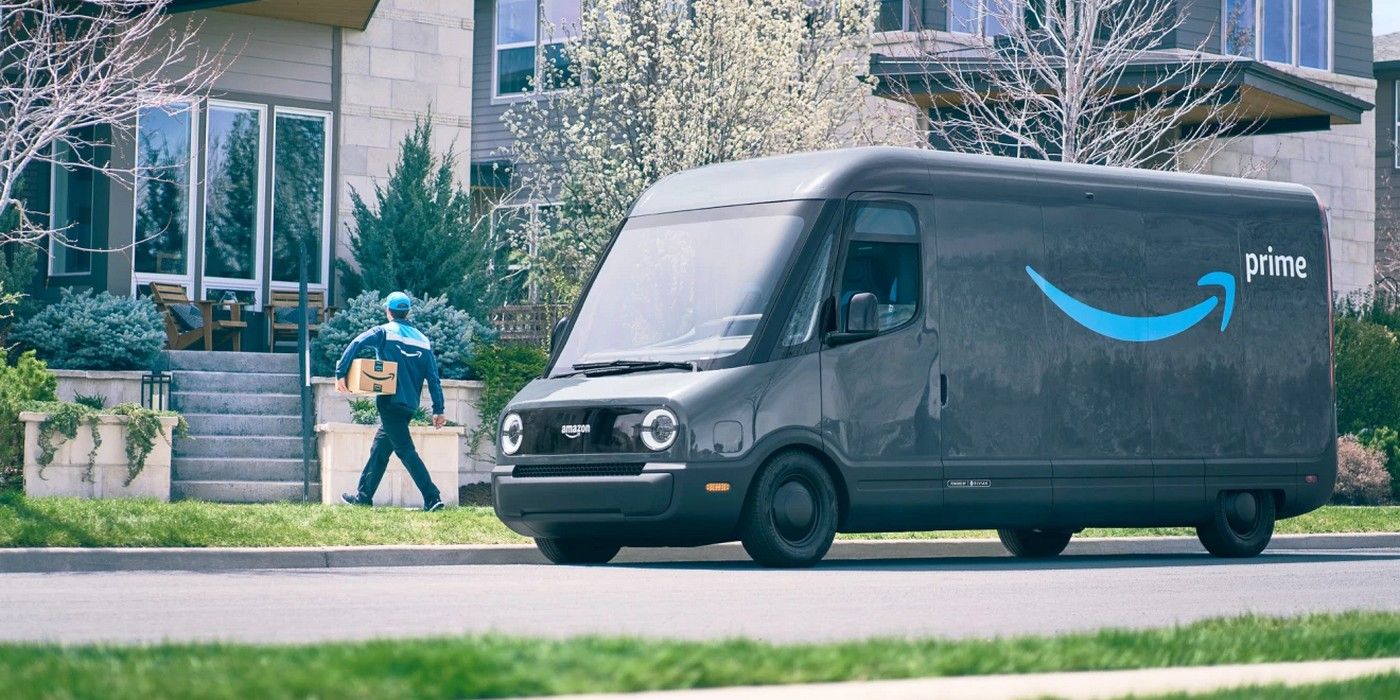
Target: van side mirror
(862,320)
(557,333)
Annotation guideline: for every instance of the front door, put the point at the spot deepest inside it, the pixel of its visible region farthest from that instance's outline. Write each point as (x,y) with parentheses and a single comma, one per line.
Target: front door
(880,395)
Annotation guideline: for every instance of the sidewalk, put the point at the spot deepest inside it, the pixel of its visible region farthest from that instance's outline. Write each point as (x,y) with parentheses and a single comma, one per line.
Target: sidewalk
(1083,685)
(56,559)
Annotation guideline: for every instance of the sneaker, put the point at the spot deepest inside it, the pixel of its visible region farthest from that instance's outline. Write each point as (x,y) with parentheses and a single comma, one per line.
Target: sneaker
(354,499)
(434,506)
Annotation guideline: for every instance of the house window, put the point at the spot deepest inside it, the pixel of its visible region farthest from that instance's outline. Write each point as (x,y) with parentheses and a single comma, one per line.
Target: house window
(1293,32)
(890,16)
(162,223)
(300,196)
(233,194)
(1395,144)
(73,191)
(981,17)
(530,39)
(513,230)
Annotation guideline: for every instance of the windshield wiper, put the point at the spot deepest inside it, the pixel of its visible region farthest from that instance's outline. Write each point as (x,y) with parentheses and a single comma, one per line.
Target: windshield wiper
(626,366)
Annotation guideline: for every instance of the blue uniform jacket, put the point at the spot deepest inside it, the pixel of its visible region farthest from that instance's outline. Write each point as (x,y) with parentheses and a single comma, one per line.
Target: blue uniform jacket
(399,342)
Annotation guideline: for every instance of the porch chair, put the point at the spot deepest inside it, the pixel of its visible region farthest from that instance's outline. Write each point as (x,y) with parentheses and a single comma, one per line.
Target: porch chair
(281,312)
(188,322)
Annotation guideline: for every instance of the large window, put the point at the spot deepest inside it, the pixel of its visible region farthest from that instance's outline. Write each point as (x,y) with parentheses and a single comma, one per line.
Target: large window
(530,40)
(890,16)
(1294,32)
(300,196)
(981,17)
(513,230)
(233,194)
(1395,144)
(162,224)
(73,191)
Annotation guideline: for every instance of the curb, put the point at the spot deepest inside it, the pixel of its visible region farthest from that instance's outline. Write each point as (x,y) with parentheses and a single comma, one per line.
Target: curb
(96,559)
(1073,685)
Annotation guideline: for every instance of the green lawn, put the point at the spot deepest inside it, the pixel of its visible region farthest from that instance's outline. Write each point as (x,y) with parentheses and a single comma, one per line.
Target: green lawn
(65,522)
(496,666)
(1384,686)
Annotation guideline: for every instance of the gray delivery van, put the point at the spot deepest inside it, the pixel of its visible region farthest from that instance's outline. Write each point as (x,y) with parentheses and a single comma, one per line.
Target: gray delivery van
(880,339)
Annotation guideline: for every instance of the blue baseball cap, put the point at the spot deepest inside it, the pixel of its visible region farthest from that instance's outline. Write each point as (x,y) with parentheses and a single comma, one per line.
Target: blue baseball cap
(398,301)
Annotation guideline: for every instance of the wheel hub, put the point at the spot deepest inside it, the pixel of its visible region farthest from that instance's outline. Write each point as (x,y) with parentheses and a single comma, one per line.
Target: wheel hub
(794,510)
(1242,511)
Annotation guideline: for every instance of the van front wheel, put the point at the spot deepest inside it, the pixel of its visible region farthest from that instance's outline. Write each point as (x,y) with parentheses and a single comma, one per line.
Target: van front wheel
(1241,524)
(789,519)
(568,551)
(1028,543)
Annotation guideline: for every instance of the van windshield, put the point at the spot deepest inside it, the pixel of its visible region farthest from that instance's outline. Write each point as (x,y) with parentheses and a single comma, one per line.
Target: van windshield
(684,288)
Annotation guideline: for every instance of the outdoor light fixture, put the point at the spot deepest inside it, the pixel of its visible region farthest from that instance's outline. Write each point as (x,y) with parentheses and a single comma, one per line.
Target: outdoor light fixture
(659,428)
(155,391)
(512,433)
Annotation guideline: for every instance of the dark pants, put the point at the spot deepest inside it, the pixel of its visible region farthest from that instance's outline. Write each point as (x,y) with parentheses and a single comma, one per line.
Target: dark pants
(393,438)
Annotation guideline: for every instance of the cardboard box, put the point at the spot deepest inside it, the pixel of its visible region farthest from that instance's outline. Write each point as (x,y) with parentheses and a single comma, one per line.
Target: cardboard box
(372,377)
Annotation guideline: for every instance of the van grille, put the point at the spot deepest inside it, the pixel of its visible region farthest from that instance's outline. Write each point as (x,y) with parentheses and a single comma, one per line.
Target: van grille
(525,471)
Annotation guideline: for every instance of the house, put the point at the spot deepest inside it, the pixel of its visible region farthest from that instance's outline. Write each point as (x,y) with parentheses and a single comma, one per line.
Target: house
(314,100)
(1303,66)
(1387,69)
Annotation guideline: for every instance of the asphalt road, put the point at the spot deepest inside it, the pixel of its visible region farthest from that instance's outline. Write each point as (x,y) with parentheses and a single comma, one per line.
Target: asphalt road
(950,597)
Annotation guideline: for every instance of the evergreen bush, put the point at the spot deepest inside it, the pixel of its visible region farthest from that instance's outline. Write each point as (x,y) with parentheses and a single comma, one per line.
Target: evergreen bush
(1368,375)
(25,381)
(95,331)
(453,333)
(505,369)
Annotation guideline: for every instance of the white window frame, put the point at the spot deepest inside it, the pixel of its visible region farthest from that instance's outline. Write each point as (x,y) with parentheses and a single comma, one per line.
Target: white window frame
(982,15)
(194,190)
(54,167)
(1295,32)
(904,23)
(260,232)
(539,43)
(325,194)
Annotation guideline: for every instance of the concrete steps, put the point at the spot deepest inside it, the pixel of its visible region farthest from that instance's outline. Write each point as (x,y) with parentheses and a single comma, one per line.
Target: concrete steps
(244,415)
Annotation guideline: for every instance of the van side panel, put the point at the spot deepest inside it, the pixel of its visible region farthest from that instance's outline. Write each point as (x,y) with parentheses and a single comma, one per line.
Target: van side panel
(995,350)
(1195,379)
(1097,386)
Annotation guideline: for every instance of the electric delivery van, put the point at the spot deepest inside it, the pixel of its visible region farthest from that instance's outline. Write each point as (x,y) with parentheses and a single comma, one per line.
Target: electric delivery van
(880,339)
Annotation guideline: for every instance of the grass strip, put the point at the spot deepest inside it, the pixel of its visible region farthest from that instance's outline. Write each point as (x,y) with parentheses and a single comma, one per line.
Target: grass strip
(497,666)
(1383,686)
(70,522)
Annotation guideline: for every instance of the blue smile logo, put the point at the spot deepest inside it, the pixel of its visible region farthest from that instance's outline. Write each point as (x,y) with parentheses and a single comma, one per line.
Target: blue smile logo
(1141,329)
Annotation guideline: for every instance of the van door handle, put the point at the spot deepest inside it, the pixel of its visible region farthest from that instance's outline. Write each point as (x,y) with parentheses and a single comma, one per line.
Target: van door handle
(942,390)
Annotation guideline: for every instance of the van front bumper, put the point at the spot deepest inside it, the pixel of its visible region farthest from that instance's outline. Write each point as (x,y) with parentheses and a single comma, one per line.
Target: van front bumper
(667,504)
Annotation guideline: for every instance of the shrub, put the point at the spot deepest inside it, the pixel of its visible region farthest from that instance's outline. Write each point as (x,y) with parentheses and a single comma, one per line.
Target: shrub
(1386,440)
(1361,476)
(25,381)
(504,369)
(95,331)
(366,412)
(453,333)
(1368,375)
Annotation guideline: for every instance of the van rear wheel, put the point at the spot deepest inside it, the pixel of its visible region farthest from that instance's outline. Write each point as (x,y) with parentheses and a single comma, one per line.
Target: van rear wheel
(570,551)
(1241,524)
(789,519)
(1029,543)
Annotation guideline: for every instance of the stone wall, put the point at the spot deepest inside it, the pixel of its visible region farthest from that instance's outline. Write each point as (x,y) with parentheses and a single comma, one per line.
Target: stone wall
(116,387)
(414,56)
(1338,164)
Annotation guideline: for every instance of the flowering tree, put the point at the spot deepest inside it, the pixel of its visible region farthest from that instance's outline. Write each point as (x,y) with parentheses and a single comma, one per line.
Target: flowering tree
(1086,81)
(652,87)
(70,68)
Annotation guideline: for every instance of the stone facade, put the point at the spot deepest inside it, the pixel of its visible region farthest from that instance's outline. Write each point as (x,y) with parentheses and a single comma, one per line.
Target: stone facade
(415,56)
(1337,164)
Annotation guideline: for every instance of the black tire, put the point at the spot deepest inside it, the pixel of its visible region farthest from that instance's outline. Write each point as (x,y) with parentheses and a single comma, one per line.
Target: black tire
(1028,543)
(1241,524)
(789,518)
(566,551)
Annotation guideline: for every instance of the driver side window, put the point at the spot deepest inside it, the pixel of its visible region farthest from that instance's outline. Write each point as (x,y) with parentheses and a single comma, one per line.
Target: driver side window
(882,258)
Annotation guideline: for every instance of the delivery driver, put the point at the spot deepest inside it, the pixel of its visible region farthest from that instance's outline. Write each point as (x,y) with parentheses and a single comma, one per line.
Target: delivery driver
(396,341)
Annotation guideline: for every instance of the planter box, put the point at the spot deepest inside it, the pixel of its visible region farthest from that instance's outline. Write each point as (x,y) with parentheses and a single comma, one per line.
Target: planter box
(344,448)
(460,397)
(64,476)
(118,387)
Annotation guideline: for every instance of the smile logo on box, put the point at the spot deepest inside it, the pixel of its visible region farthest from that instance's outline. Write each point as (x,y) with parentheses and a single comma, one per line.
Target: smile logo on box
(1142,329)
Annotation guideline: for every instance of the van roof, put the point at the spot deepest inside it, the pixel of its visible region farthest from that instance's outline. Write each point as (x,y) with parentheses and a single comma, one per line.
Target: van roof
(837,173)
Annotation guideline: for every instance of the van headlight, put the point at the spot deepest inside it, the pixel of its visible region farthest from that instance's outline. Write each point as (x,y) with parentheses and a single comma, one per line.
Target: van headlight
(659,429)
(512,433)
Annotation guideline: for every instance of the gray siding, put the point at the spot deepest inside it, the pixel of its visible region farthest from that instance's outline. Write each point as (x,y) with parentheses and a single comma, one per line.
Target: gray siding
(270,56)
(1351,33)
(489,134)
